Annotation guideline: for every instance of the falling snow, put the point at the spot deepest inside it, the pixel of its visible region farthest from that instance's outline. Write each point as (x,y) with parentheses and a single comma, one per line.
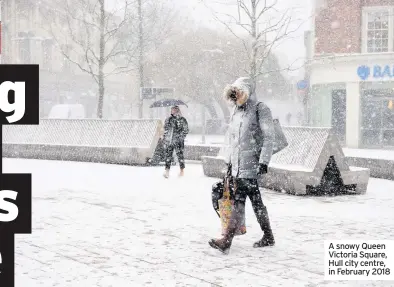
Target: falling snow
(315,64)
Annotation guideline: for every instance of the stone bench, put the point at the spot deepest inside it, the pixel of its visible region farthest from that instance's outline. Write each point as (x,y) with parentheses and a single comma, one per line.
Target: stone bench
(313,158)
(90,140)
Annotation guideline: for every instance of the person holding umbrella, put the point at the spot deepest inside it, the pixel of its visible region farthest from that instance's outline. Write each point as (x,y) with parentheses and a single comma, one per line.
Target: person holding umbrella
(176,129)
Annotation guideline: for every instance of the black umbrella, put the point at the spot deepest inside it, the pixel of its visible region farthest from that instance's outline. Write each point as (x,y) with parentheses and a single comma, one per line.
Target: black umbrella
(167,103)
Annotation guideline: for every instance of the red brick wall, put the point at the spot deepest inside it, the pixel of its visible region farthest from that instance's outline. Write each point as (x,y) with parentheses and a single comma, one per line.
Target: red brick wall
(338,26)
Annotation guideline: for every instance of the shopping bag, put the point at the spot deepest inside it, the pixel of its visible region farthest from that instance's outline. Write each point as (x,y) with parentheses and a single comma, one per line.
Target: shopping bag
(280,141)
(226,207)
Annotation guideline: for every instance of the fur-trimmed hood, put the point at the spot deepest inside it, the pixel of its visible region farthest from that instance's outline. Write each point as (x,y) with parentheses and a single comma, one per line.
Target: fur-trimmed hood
(243,84)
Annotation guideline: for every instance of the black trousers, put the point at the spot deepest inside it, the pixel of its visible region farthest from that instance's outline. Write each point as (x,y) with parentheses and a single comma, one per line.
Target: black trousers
(179,148)
(249,188)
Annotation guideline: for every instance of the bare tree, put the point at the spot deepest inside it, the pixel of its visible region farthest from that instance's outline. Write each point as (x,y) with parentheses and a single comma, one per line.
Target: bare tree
(265,27)
(153,25)
(202,62)
(141,55)
(198,66)
(93,39)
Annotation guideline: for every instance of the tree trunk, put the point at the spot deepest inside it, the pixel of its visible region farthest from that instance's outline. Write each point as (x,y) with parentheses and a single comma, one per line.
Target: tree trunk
(141,60)
(101,62)
(101,98)
(253,60)
(211,110)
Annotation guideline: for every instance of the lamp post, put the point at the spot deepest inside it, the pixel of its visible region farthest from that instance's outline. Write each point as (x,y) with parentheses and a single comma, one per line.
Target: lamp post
(203,124)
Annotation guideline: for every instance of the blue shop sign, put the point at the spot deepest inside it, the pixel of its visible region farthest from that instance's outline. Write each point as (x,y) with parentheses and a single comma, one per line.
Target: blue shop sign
(302,85)
(377,72)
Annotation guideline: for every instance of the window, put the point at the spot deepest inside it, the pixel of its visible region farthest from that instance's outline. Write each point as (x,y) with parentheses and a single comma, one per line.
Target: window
(377,118)
(378,29)
(378,32)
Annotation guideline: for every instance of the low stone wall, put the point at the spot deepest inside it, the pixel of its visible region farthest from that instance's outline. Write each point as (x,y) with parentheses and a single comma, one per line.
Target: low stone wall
(379,168)
(195,152)
(89,140)
(110,155)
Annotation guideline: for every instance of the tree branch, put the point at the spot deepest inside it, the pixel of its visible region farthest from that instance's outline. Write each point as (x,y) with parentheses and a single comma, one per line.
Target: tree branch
(119,26)
(244,26)
(70,14)
(232,32)
(288,68)
(277,39)
(243,6)
(266,8)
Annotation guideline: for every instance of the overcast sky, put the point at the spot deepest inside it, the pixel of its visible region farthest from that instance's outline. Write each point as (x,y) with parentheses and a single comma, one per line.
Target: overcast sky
(291,51)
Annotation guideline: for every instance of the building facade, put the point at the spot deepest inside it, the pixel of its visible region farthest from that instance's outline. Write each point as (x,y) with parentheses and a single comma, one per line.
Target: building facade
(352,71)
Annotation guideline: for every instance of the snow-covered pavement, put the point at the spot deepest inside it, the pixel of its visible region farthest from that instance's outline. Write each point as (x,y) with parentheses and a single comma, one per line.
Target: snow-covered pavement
(107,225)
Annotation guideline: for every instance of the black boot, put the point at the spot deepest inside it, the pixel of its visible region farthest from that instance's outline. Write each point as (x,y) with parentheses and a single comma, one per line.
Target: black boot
(222,244)
(268,238)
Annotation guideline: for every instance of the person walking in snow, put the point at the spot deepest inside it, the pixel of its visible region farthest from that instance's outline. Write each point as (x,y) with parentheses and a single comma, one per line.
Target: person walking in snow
(288,118)
(175,131)
(251,136)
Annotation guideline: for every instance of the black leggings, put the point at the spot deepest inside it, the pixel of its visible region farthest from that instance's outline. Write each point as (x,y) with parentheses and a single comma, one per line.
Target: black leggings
(178,147)
(249,188)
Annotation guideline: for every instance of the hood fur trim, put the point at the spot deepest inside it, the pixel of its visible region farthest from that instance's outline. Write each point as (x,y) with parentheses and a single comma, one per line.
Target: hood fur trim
(242,84)
(227,92)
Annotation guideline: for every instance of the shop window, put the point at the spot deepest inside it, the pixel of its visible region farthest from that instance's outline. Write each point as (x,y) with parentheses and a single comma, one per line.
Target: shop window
(377,118)
(388,138)
(371,114)
(378,29)
(388,122)
(388,114)
(371,137)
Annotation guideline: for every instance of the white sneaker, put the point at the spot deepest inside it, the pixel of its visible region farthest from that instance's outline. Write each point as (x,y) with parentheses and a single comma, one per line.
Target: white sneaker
(166,173)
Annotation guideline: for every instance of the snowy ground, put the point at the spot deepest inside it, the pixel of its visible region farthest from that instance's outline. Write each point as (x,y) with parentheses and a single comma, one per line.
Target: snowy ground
(107,225)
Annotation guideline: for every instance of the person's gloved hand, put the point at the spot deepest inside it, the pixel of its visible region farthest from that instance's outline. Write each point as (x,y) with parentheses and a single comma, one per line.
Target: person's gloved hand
(228,171)
(263,169)
(217,193)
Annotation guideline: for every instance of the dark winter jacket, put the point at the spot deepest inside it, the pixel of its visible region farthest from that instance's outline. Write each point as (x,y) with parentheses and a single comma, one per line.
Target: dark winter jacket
(176,129)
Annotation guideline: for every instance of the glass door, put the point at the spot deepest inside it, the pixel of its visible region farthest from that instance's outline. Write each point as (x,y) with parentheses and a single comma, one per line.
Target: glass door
(371,122)
(338,117)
